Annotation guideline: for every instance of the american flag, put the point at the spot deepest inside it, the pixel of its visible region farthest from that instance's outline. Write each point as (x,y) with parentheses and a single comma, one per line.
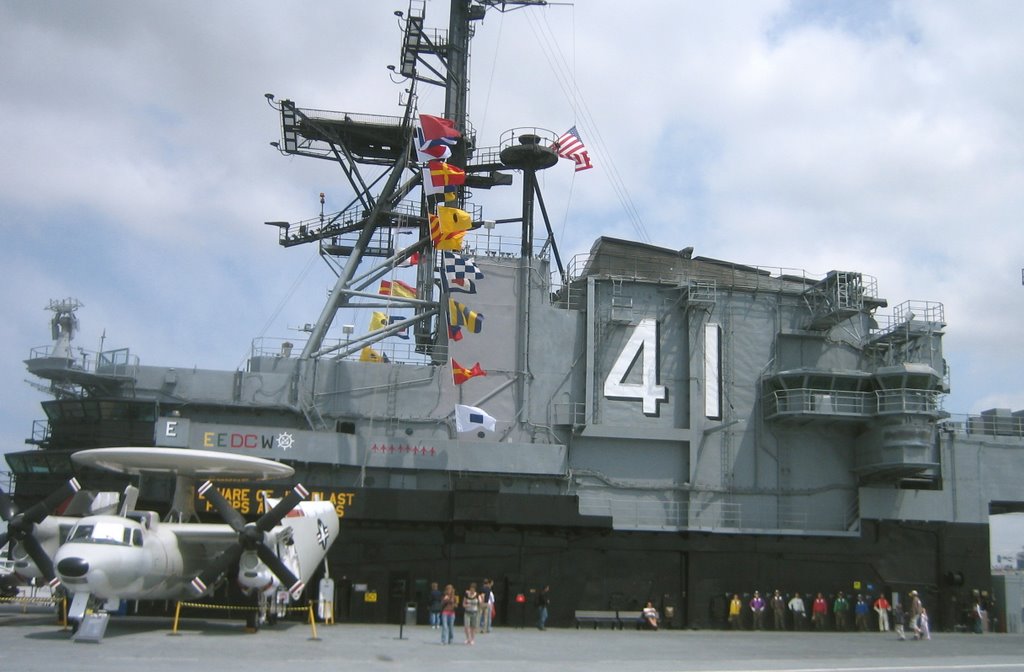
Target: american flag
(570,146)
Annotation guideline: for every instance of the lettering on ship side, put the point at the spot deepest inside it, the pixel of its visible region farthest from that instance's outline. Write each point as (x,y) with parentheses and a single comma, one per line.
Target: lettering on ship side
(251,500)
(244,441)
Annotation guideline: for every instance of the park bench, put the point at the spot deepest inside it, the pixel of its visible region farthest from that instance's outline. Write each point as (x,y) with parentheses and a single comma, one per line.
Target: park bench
(630,618)
(597,617)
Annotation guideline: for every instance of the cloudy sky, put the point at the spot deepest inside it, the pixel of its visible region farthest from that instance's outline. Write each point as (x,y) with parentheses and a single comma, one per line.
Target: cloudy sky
(880,137)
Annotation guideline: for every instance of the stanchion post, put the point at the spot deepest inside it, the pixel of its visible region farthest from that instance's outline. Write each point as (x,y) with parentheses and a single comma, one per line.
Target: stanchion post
(177,615)
(312,620)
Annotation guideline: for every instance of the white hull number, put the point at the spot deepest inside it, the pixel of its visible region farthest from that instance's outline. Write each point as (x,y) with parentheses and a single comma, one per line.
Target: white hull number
(642,346)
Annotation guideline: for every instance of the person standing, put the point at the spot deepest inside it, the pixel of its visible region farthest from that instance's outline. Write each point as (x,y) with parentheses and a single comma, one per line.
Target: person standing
(448,601)
(978,616)
(819,612)
(434,605)
(778,605)
(915,613)
(899,618)
(757,610)
(860,613)
(882,608)
(486,605)
(735,613)
(543,603)
(926,632)
(841,609)
(799,610)
(471,613)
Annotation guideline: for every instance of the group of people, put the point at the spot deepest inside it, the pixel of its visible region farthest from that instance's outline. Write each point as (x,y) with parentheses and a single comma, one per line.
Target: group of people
(477,607)
(915,618)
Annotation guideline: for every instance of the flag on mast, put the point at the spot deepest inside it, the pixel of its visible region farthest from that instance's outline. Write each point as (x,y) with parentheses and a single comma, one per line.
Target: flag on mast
(468,418)
(570,146)
(461,374)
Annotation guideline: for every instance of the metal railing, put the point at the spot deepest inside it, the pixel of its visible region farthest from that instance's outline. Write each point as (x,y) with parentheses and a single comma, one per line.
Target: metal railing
(804,401)
(987,424)
(119,362)
(839,403)
(909,315)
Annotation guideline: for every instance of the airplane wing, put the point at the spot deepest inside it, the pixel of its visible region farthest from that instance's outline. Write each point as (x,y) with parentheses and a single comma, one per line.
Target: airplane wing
(202,533)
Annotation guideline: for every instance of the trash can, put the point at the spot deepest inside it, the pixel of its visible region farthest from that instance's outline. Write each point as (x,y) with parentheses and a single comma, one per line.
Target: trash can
(410,613)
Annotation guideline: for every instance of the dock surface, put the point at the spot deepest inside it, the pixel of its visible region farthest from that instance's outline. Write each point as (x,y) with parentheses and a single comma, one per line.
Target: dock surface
(34,641)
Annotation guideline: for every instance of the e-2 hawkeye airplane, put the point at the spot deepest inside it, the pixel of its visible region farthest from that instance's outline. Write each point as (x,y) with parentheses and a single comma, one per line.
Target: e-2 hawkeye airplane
(135,556)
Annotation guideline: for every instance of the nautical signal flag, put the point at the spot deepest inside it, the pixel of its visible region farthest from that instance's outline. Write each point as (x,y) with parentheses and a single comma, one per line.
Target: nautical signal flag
(570,146)
(457,267)
(461,374)
(458,273)
(412,260)
(461,316)
(379,320)
(448,227)
(443,174)
(435,136)
(439,128)
(443,178)
(468,418)
(368,354)
(465,285)
(404,333)
(397,288)
(454,333)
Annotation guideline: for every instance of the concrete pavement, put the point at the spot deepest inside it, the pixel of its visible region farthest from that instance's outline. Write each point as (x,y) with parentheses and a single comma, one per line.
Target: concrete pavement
(31,640)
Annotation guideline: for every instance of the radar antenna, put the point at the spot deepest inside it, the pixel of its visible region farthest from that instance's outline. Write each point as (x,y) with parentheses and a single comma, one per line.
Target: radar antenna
(63,325)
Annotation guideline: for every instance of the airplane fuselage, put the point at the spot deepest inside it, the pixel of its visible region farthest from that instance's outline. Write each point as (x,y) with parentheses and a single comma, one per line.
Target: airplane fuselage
(111,557)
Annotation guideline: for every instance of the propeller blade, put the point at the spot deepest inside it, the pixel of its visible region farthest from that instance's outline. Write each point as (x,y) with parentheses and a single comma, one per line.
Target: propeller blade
(219,565)
(280,570)
(223,506)
(22,526)
(8,509)
(37,512)
(38,554)
(271,518)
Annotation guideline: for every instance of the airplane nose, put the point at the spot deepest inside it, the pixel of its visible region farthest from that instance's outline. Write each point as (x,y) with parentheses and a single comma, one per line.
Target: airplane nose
(72,567)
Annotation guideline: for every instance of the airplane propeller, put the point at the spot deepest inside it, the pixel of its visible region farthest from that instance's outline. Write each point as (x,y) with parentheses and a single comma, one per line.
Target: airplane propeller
(251,537)
(21,525)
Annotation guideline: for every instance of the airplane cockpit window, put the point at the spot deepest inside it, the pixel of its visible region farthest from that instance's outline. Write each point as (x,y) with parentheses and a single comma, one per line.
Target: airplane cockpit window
(106,533)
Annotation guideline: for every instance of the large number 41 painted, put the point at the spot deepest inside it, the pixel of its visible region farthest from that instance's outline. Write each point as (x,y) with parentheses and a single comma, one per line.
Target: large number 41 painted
(642,346)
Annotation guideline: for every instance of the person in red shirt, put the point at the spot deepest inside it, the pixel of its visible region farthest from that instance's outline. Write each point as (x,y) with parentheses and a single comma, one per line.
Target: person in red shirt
(819,612)
(882,608)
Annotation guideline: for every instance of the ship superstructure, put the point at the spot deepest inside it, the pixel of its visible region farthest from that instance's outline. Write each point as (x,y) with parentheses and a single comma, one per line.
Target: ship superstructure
(668,426)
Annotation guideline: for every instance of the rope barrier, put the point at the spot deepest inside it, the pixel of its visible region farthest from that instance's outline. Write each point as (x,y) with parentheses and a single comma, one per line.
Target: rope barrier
(53,601)
(31,600)
(231,607)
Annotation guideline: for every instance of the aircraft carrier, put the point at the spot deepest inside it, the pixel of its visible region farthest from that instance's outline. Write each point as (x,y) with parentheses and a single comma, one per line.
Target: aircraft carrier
(668,426)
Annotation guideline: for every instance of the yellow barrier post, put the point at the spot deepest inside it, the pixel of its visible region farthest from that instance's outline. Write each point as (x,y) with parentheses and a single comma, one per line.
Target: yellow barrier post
(312,621)
(177,616)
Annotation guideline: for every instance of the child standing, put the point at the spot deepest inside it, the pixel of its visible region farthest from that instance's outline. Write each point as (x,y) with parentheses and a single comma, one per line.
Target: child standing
(898,620)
